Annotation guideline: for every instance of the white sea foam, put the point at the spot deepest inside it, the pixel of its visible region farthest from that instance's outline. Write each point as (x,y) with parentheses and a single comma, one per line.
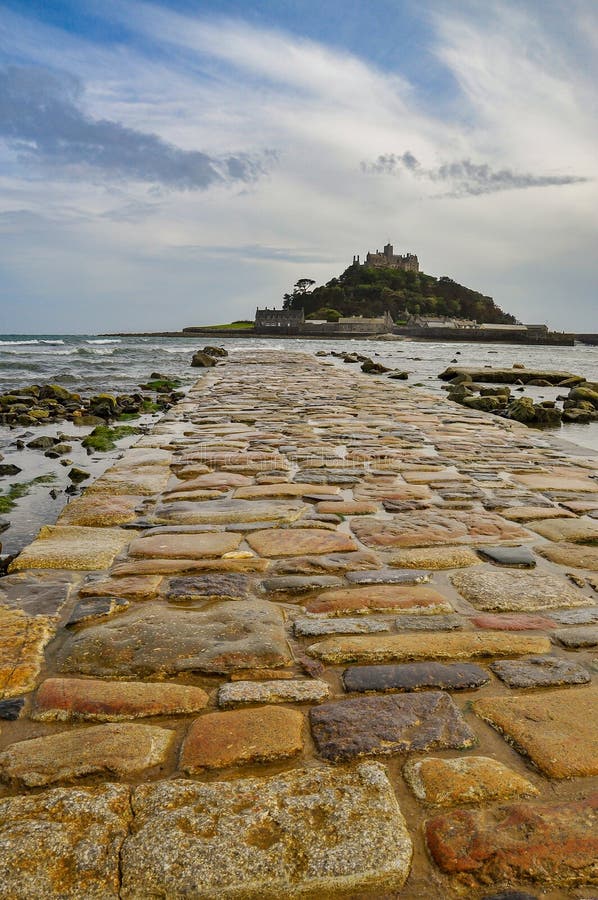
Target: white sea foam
(16,343)
(106,341)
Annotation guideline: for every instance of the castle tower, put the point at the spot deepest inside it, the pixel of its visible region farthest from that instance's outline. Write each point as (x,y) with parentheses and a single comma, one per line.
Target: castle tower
(388,251)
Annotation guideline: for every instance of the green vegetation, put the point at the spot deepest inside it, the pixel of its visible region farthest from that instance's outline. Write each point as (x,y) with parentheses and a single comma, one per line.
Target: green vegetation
(161,385)
(362,291)
(239,325)
(9,500)
(103,438)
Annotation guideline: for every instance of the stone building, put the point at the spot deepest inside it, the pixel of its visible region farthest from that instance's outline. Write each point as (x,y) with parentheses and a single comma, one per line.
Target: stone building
(278,321)
(388,259)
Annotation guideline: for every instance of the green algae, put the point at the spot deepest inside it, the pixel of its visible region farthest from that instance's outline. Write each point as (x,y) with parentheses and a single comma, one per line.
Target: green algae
(8,501)
(104,438)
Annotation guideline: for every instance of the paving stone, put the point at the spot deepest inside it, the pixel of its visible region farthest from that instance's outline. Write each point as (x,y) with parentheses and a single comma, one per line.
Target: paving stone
(185,546)
(332,562)
(212,586)
(472,779)
(299,584)
(513,557)
(37,592)
(215,512)
(86,611)
(578,483)
(103,510)
(415,677)
(290,489)
(214,480)
(72,547)
(529,513)
(577,638)
(135,587)
(159,640)
(381,726)
(428,623)
(255,837)
(496,591)
(122,750)
(580,556)
(145,481)
(577,531)
(434,558)
(539,671)
(430,528)
(182,567)
(552,844)
(64,843)
(292,691)
(558,730)
(221,739)
(510,895)
(289,542)
(516,622)
(379,598)
(10,710)
(404,647)
(388,576)
(308,627)
(22,642)
(347,507)
(587,616)
(75,699)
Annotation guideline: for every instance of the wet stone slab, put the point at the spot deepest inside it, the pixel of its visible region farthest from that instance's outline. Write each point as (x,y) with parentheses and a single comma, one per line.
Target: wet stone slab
(184,546)
(223,512)
(389,576)
(581,556)
(221,739)
(578,638)
(587,616)
(36,593)
(381,726)
(291,542)
(552,844)
(299,584)
(239,693)
(578,531)
(103,510)
(510,557)
(328,564)
(428,623)
(429,529)
(415,677)
(558,730)
(497,591)
(72,547)
(434,558)
(379,598)
(22,642)
(539,671)
(212,586)
(73,699)
(255,837)
(134,587)
(513,622)
(472,779)
(64,843)
(94,608)
(158,640)
(121,750)
(316,627)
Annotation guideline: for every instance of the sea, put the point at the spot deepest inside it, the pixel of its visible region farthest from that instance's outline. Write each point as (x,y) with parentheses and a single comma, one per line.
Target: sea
(90,364)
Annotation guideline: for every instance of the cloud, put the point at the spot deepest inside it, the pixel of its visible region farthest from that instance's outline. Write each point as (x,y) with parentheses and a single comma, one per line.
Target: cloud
(466,178)
(42,119)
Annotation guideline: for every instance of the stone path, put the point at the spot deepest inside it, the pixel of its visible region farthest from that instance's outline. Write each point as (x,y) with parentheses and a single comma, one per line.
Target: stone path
(318,635)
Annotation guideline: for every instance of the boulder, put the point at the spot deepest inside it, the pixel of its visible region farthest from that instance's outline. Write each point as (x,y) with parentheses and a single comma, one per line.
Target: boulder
(215,351)
(373,368)
(202,360)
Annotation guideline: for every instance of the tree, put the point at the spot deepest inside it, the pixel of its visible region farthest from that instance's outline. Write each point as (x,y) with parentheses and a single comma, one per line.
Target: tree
(300,289)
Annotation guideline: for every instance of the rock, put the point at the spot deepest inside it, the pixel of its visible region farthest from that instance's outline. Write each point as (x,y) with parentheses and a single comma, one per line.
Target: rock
(281,490)
(577,638)
(95,608)
(516,591)
(512,557)
(347,507)
(43,442)
(72,547)
(486,404)
(299,584)
(333,562)
(428,623)
(145,481)
(201,360)
(399,375)
(578,531)
(554,481)
(558,731)
(256,836)
(379,598)
(122,750)
(404,647)
(215,351)
(140,587)
(528,513)
(307,627)
(473,779)
(584,394)
(221,739)
(64,843)
(492,375)
(184,546)
(9,469)
(78,475)
(287,542)
(576,616)
(292,691)
(554,844)
(388,576)
(373,368)
(218,512)
(225,586)
(36,592)
(434,558)
(414,677)
(22,642)
(515,622)
(104,510)
(381,726)
(539,671)
(430,528)
(10,710)
(74,700)
(565,554)
(158,640)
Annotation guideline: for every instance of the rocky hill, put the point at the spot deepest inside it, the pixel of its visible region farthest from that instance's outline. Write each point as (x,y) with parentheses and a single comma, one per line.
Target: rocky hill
(365,291)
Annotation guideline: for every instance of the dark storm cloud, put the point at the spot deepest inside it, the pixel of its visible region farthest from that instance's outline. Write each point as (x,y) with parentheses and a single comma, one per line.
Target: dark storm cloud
(465,178)
(41,117)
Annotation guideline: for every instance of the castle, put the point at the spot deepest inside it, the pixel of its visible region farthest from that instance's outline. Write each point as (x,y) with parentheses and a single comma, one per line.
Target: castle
(388,259)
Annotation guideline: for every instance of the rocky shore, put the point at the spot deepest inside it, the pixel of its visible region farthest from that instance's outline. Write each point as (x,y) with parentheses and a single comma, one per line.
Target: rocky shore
(318,634)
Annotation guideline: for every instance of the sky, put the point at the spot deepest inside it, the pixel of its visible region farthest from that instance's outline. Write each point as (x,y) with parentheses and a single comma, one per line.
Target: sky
(182,162)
